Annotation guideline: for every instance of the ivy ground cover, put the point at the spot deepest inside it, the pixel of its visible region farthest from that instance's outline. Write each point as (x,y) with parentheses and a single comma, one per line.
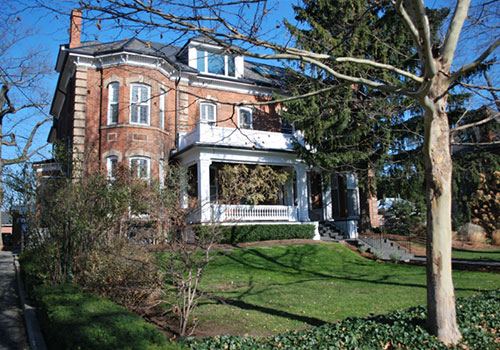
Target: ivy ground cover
(269,290)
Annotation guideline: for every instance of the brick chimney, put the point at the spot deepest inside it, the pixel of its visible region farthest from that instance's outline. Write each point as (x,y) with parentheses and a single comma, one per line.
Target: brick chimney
(75,31)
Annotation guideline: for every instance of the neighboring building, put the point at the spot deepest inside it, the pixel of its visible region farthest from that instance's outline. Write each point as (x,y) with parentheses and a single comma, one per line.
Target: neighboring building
(6,228)
(144,104)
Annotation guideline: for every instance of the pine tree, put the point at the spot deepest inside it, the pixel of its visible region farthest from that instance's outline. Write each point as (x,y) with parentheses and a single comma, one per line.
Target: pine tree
(351,128)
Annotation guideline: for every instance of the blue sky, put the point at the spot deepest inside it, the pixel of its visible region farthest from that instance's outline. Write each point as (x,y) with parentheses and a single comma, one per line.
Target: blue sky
(51,31)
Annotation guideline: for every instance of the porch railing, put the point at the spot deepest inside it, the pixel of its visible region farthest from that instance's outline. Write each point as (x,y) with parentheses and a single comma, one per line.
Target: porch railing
(254,212)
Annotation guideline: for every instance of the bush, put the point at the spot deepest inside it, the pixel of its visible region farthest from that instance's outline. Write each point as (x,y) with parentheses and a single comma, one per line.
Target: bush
(256,233)
(477,317)
(495,236)
(71,319)
(473,233)
(123,273)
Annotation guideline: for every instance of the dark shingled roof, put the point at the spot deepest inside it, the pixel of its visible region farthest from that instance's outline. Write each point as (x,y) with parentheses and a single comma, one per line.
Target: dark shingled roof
(254,73)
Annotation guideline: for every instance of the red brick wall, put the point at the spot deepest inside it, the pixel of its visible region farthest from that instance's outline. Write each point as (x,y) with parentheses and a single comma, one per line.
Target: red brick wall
(125,140)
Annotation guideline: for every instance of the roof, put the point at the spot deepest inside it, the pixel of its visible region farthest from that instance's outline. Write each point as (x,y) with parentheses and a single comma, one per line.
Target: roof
(6,219)
(254,73)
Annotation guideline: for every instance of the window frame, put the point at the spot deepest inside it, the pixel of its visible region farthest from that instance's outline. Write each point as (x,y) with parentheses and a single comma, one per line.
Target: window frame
(242,125)
(163,92)
(148,167)
(161,173)
(111,88)
(110,167)
(204,59)
(207,104)
(140,103)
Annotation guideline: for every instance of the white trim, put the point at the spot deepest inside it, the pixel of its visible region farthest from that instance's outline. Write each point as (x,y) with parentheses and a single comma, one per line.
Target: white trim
(140,103)
(161,173)
(240,124)
(111,89)
(148,166)
(110,168)
(163,92)
(204,105)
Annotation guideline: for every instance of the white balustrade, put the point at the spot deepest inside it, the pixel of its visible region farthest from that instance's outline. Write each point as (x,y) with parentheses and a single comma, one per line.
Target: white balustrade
(216,135)
(224,213)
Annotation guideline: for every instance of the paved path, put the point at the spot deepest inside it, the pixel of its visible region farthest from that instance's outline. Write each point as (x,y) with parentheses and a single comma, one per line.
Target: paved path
(12,331)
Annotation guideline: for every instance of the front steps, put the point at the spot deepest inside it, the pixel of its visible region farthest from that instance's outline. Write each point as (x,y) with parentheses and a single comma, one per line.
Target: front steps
(375,245)
(385,248)
(328,232)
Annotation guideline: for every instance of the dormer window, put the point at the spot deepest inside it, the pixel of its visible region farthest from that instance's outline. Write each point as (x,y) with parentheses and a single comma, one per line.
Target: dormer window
(213,62)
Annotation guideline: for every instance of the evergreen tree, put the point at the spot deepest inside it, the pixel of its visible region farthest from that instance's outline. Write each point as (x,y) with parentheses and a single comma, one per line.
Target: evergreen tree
(351,128)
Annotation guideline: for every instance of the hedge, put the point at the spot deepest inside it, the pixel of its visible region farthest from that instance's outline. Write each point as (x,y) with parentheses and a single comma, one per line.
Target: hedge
(71,319)
(478,318)
(255,233)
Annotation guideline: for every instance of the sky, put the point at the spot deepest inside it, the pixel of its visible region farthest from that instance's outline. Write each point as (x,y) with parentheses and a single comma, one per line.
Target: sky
(50,30)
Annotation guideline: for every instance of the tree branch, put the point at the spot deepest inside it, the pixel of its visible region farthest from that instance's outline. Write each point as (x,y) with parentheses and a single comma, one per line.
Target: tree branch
(26,154)
(480,122)
(475,63)
(453,33)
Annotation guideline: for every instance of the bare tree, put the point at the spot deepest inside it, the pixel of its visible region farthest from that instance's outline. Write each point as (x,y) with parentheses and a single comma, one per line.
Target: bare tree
(21,93)
(235,26)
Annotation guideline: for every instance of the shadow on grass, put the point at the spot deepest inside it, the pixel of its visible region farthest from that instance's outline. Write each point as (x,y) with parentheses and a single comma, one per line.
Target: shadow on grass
(252,307)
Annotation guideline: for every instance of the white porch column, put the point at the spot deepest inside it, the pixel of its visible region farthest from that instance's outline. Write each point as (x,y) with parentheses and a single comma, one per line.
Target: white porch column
(327,197)
(289,192)
(184,200)
(204,189)
(302,196)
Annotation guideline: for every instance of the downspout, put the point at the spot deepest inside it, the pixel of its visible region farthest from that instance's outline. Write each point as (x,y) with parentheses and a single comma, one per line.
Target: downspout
(99,127)
(176,143)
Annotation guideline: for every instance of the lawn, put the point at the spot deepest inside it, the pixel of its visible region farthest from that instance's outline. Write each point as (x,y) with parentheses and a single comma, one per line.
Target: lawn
(266,290)
(476,254)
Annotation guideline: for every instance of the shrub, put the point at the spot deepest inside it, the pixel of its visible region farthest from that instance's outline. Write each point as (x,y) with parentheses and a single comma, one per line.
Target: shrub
(123,273)
(495,236)
(473,233)
(477,317)
(256,233)
(363,249)
(377,254)
(71,319)
(395,257)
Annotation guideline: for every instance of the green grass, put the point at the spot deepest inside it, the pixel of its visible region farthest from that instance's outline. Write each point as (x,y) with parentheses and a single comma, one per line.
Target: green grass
(266,291)
(476,254)
(71,319)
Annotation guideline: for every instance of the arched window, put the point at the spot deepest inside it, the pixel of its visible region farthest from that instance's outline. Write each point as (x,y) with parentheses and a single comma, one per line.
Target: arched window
(140,97)
(245,118)
(111,164)
(208,113)
(140,167)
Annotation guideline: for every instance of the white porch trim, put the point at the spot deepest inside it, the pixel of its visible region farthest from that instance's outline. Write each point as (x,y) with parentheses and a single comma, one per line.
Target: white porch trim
(230,213)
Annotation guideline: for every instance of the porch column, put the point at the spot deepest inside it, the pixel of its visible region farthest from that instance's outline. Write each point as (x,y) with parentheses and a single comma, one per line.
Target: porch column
(301,171)
(289,192)
(184,200)
(327,197)
(204,189)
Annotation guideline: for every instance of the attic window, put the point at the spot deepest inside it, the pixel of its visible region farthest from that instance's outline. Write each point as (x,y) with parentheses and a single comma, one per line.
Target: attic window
(214,62)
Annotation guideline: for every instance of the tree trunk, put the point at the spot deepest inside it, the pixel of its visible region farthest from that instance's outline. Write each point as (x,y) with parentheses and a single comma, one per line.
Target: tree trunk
(365,195)
(441,313)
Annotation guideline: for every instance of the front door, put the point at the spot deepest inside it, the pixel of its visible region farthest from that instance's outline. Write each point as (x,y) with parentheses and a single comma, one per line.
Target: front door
(316,197)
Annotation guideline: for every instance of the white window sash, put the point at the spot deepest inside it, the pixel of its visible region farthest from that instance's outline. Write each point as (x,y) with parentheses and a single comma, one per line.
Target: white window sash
(113,102)
(140,104)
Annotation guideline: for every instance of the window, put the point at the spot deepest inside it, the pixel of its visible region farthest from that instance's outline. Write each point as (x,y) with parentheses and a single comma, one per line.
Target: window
(162,109)
(208,113)
(161,173)
(245,118)
(111,163)
(113,92)
(215,62)
(140,167)
(139,104)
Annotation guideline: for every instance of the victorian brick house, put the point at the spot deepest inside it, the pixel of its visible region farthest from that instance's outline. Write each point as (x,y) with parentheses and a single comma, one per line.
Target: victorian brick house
(142,104)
